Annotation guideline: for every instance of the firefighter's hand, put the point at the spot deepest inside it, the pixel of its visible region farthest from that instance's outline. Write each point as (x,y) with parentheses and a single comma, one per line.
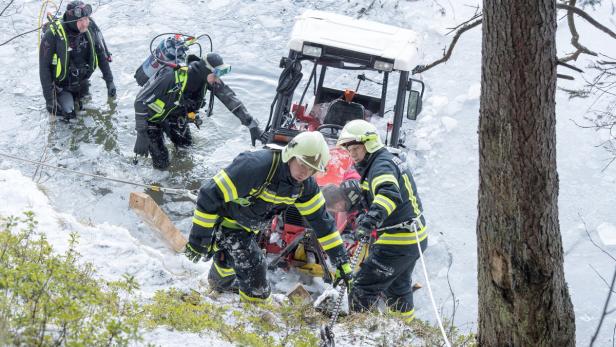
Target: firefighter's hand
(344,273)
(142,143)
(195,252)
(362,234)
(255,132)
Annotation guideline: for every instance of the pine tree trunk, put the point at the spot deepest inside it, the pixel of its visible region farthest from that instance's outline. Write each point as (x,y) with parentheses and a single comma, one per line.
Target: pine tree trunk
(523,297)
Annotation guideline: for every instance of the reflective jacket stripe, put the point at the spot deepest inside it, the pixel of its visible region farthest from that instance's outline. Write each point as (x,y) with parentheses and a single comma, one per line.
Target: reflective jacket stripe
(311,206)
(268,196)
(378,180)
(330,241)
(402,238)
(412,197)
(203,219)
(226,186)
(385,202)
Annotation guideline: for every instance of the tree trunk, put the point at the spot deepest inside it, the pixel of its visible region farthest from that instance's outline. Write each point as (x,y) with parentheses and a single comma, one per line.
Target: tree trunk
(523,297)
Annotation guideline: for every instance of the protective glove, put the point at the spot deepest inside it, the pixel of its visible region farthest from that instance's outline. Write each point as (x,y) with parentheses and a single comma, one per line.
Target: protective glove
(195,252)
(344,273)
(142,144)
(365,224)
(255,132)
(111,89)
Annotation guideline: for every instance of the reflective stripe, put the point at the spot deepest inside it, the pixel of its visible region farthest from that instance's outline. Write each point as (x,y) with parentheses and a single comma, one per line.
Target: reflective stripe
(247,298)
(54,61)
(402,238)
(223,271)
(408,316)
(412,196)
(269,196)
(226,186)
(378,180)
(385,202)
(330,241)
(311,206)
(203,219)
(157,106)
(365,185)
(233,224)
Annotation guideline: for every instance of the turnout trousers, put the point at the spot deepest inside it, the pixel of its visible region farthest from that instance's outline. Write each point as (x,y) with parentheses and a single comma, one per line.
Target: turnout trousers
(178,133)
(387,272)
(239,261)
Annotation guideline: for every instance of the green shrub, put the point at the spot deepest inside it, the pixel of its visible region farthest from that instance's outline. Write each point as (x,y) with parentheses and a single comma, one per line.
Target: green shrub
(50,299)
(248,325)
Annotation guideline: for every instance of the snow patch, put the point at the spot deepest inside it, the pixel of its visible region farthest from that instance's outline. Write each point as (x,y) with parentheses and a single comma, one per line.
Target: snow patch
(607,233)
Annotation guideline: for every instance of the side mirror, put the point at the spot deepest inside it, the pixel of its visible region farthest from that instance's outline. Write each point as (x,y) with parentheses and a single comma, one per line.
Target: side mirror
(413,108)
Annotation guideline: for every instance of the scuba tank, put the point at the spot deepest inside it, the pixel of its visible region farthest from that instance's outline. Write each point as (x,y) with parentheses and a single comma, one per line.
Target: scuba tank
(170,50)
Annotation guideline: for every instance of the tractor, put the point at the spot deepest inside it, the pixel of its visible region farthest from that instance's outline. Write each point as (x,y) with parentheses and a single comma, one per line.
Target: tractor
(357,69)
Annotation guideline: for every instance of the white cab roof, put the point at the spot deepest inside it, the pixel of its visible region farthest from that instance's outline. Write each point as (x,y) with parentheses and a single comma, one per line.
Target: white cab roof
(335,30)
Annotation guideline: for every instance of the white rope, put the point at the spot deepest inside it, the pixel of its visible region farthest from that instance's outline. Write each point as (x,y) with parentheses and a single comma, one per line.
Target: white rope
(423,265)
(178,191)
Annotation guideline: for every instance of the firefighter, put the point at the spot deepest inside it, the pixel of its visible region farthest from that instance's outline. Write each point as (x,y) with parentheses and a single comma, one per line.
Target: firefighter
(233,206)
(395,211)
(170,100)
(71,49)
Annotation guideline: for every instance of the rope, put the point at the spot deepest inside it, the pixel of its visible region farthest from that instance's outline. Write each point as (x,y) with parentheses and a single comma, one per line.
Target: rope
(175,191)
(423,265)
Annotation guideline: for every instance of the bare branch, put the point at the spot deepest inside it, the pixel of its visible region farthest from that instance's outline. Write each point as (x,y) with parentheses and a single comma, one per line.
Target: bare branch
(575,38)
(593,241)
(6,7)
(422,68)
(588,18)
(565,77)
(604,313)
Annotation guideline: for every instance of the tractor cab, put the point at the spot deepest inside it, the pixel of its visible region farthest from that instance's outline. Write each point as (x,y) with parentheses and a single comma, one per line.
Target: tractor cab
(339,69)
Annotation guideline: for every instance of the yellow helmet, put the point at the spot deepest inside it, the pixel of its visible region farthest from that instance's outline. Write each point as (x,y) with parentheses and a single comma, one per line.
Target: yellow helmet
(360,131)
(309,147)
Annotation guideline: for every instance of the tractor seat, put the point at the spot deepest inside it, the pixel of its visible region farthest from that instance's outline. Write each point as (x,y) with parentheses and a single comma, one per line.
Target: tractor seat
(341,112)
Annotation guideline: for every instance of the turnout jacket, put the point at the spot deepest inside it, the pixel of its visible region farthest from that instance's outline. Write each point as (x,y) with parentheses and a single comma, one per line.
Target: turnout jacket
(223,200)
(56,50)
(391,194)
(165,95)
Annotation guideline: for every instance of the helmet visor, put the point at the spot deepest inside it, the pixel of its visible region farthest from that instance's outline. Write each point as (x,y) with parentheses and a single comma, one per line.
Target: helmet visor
(314,162)
(80,11)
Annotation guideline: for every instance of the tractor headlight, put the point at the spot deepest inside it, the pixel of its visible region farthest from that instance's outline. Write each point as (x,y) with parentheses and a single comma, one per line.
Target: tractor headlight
(383,65)
(312,51)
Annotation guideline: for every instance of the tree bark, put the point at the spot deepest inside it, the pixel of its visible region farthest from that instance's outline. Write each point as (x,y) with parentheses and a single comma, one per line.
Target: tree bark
(523,297)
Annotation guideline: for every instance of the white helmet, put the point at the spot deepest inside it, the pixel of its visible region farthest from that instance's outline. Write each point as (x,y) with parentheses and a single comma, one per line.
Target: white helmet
(360,131)
(309,147)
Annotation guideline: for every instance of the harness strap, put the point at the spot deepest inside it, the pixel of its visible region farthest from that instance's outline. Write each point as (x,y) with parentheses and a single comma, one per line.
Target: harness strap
(270,175)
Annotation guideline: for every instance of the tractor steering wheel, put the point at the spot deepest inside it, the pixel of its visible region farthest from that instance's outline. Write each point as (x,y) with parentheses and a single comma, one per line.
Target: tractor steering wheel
(333,130)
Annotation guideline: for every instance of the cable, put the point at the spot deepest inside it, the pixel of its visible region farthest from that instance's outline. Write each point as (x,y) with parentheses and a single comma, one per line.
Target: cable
(176,191)
(423,265)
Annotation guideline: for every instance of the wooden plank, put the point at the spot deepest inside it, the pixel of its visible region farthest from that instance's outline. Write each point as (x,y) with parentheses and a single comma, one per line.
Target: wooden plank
(149,211)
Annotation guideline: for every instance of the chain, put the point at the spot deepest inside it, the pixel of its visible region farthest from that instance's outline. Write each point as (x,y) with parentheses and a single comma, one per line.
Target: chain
(343,286)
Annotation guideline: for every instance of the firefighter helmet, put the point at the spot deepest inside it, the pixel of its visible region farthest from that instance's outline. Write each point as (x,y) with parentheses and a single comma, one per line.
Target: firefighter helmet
(360,131)
(309,147)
